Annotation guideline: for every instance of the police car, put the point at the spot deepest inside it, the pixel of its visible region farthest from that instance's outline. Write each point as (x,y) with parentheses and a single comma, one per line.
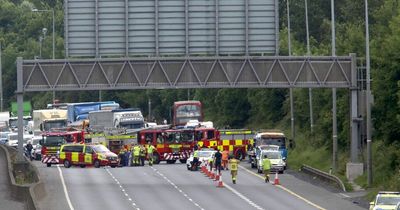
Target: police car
(385,201)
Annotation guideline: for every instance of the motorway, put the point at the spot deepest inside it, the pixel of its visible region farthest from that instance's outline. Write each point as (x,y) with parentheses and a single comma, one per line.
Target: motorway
(172,186)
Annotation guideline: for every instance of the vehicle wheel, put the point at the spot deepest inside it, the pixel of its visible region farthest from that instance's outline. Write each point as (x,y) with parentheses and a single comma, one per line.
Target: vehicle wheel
(48,164)
(67,164)
(113,166)
(188,167)
(182,160)
(83,166)
(156,158)
(171,161)
(239,155)
(96,164)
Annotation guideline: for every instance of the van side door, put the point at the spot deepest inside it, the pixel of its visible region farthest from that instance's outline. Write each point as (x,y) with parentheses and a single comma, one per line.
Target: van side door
(88,155)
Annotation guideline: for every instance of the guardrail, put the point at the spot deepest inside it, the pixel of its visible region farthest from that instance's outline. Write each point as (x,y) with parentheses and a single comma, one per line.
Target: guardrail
(324,175)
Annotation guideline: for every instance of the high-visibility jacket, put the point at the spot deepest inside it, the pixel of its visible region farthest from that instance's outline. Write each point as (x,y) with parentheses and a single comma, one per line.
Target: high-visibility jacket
(142,151)
(266,163)
(225,155)
(150,149)
(136,151)
(196,154)
(234,164)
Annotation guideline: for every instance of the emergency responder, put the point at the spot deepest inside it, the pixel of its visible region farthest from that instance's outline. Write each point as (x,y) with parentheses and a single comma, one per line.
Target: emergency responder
(266,164)
(142,154)
(136,154)
(121,156)
(234,168)
(195,160)
(29,149)
(211,162)
(225,156)
(218,161)
(150,151)
(126,156)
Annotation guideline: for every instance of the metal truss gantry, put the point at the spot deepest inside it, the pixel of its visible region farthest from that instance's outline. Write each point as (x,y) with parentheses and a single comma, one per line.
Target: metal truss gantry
(191,72)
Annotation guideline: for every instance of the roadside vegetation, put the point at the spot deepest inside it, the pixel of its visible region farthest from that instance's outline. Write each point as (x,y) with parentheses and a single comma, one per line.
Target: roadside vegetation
(257,108)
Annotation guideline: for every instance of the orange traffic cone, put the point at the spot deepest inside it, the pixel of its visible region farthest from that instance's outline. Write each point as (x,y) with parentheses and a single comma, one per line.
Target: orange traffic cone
(276,180)
(220,183)
(212,176)
(217,176)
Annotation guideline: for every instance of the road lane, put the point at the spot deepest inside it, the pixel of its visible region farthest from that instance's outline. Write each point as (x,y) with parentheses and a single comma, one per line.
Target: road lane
(172,186)
(150,190)
(94,188)
(315,194)
(255,191)
(202,189)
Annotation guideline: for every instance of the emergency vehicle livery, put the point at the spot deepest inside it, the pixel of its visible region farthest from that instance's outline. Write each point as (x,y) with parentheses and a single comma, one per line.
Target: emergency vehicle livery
(235,141)
(87,155)
(171,145)
(52,141)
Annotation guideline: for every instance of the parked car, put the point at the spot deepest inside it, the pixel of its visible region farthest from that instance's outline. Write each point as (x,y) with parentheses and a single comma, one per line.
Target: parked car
(204,155)
(3,137)
(385,200)
(37,152)
(277,162)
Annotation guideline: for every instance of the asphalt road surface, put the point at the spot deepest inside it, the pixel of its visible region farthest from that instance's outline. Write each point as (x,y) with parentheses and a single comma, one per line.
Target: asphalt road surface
(172,186)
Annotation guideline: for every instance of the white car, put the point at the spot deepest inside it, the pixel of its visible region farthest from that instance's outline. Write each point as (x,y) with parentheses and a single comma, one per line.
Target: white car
(204,156)
(277,162)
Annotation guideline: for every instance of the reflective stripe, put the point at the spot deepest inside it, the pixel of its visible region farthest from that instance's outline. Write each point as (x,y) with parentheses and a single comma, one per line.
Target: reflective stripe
(88,158)
(160,145)
(62,155)
(225,142)
(238,142)
(75,156)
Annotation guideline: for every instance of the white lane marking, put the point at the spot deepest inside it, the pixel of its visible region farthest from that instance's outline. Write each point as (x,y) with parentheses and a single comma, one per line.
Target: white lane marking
(251,203)
(122,189)
(344,195)
(285,189)
(65,189)
(177,188)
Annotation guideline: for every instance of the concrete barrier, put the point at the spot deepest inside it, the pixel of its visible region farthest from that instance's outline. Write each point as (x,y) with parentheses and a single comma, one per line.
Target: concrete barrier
(29,194)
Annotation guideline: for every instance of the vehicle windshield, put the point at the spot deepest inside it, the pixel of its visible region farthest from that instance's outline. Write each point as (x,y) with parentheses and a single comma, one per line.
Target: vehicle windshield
(387,200)
(47,126)
(53,140)
(4,135)
(132,125)
(14,122)
(273,155)
(13,137)
(100,149)
(206,153)
(189,110)
(272,141)
(187,136)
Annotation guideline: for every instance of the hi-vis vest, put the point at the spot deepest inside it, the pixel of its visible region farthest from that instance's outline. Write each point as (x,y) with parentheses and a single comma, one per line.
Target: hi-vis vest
(196,154)
(234,164)
(266,164)
(150,149)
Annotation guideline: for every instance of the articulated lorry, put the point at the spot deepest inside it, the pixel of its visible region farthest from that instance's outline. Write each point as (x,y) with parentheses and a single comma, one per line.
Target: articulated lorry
(47,119)
(79,111)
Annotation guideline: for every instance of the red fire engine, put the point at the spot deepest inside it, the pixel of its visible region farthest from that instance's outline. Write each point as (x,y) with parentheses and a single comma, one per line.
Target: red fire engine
(51,142)
(171,144)
(235,141)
